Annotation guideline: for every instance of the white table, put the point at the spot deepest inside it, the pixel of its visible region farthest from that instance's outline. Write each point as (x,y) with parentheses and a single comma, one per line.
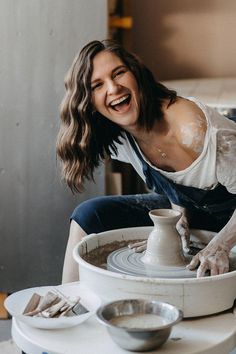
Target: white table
(214,334)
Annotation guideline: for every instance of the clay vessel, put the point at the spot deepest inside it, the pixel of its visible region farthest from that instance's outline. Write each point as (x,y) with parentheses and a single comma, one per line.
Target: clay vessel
(164,243)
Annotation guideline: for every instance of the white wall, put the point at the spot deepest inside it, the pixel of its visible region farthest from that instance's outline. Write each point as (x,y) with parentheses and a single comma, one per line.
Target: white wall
(39,39)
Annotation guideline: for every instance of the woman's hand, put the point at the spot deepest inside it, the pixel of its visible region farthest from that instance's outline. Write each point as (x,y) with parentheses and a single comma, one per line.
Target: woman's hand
(182,227)
(213,258)
(139,246)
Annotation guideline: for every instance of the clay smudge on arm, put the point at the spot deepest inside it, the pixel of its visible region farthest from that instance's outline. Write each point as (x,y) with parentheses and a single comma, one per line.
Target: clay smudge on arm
(192,135)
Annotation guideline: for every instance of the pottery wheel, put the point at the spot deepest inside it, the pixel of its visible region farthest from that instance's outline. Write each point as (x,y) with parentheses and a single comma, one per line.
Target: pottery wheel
(127,261)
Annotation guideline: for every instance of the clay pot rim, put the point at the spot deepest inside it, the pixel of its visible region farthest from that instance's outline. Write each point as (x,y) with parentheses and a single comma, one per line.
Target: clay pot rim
(165,213)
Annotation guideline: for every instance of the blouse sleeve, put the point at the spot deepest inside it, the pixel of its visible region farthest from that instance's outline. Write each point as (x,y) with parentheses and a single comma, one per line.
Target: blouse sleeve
(226,159)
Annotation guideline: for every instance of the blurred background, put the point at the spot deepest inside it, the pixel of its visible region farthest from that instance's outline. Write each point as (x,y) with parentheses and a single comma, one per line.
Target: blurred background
(177,40)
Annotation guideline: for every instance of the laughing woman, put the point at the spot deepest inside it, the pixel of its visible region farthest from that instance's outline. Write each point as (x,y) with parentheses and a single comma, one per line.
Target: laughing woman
(182,149)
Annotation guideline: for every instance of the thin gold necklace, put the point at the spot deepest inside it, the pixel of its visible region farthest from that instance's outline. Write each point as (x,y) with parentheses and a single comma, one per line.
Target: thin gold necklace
(162,153)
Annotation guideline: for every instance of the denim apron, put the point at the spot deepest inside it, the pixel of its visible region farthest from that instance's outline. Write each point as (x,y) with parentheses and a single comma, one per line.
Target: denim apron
(217,204)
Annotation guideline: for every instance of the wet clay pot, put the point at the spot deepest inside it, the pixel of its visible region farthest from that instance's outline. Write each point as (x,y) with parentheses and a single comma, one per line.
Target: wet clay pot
(164,243)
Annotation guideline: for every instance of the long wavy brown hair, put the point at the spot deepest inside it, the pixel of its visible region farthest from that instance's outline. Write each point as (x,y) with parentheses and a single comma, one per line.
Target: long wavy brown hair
(85,136)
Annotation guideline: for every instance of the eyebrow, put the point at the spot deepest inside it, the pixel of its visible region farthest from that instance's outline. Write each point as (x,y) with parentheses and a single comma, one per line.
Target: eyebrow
(112,72)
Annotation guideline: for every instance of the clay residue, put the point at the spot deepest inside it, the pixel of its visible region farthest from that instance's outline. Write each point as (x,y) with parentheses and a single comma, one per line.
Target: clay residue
(98,256)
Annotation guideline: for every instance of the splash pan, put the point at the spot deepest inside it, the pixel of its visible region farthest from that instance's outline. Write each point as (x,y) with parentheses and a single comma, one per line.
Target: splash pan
(194,296)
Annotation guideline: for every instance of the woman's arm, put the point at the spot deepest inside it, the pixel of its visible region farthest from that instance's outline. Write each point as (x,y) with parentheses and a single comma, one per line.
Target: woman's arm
(215,256)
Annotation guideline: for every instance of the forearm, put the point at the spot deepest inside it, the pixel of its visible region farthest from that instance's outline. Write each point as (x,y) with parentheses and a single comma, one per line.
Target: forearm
(215,256)
(227,236)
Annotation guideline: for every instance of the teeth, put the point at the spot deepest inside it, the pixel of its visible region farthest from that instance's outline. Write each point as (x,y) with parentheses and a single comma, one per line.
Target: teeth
(119,100)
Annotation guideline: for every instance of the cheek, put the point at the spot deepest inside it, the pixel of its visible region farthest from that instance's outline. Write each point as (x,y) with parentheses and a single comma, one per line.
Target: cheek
(98,104)
(95,101)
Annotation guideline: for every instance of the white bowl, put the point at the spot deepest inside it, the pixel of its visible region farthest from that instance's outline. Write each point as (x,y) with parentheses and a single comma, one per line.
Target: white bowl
(16,303)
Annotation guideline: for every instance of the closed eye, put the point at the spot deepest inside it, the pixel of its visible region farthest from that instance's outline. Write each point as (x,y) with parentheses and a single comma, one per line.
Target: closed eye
(120,72)
(96,86)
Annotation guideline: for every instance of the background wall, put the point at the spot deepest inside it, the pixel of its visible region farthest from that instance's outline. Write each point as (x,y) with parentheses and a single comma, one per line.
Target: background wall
(186,38)
(39,39)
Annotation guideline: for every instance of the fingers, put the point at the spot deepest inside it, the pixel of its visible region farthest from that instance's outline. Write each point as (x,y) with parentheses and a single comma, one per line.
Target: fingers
(217,263)
(202,270)
(183,229)
(194,262)
(185,244)
(212,267)
(139,246)
(214,270)
(203,266)
(223,268)
(198,261)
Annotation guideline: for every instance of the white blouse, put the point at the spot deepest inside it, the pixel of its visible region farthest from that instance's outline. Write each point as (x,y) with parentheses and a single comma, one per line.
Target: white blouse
(216,163)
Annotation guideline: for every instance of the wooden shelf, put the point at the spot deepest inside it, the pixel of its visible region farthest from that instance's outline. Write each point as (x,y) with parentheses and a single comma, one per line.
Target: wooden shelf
(3,311)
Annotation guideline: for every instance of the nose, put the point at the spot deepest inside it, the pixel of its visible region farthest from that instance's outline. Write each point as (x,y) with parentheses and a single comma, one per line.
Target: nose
(112,87)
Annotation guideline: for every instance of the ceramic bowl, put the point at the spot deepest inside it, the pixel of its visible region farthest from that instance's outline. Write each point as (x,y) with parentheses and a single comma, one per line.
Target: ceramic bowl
(16,303)
(139,325)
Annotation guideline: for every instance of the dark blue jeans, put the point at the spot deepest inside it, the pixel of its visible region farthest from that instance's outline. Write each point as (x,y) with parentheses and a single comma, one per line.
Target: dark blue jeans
(115,212)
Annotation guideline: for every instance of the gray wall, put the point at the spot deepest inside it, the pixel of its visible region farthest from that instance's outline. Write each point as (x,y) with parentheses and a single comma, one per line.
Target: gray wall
(39,39)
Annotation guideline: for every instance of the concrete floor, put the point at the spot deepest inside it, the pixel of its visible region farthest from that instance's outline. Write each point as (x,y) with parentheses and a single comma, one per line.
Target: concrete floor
(7,346)
(5,330)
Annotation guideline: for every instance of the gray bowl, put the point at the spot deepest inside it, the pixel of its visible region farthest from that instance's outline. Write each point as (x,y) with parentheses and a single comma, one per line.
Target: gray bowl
(149,326)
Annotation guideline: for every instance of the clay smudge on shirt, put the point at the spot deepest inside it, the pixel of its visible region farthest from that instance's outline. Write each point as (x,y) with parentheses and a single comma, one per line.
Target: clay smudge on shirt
(227,143)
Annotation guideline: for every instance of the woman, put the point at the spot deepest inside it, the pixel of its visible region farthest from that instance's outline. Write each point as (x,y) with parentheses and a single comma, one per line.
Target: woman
(183,150)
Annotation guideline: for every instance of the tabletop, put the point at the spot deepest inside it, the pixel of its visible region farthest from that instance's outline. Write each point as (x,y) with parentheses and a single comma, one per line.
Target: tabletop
(215,334)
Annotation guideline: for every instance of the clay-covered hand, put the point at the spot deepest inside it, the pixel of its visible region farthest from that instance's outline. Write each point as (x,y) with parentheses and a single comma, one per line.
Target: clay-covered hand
(213,258)
(138,246)
(182,227)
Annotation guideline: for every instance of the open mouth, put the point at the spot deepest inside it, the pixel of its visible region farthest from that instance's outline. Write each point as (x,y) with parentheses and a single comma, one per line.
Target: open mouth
(121,103)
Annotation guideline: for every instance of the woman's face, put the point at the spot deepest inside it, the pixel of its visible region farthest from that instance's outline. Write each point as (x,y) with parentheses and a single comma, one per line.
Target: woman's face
(114,90)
